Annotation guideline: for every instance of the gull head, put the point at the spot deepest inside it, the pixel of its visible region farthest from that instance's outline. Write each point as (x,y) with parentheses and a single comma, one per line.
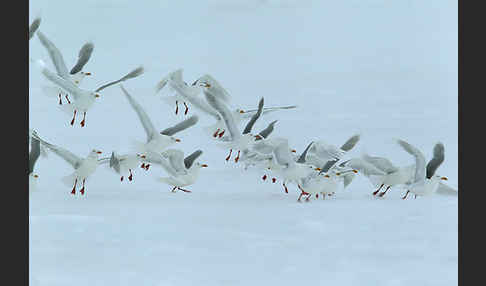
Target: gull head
(94,153)
(175,139)
(85,73)
(141,156)
(204,84)
(201,165)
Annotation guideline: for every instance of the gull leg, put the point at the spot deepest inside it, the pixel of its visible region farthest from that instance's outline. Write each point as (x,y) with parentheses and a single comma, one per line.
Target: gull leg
(131,175)
(147,167)
(221,134)
(173,189)
(187,108)
(187,191)
(264,177)
(383,193)
(286,189)
(60,101)
(308,197)
(229,156)
(74,116)
(216,133)
(121,179)
(376,192)
(142,166)
(300,196)
(415,196)
(177,107)
(404,197)
(82,189)
(74,187)
(317,195)
(237,157)
(67,98)
(84,119)
(274,180)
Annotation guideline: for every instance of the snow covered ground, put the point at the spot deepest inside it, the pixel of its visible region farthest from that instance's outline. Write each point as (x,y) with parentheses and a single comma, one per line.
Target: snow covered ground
(385,69)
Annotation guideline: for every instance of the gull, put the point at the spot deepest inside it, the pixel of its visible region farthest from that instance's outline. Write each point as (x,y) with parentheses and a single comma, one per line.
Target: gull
(83,167)
(177,84)
(60,66)
(33,156)
(123,164)
(83,99)
(346,147)
(424,181)
(34,26)
(237,141)
(156,142)
(182,171)
(291,170)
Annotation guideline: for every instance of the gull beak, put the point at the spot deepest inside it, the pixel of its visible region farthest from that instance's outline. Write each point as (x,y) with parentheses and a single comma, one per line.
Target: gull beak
(97,95)
(241,111)
(355,171)
(204,165)
(443,178)
(98,152)
(87,73)
(178,140)
(317,169)
(258,137)
(294,151)
(326,176)
(36,176)
(338,174)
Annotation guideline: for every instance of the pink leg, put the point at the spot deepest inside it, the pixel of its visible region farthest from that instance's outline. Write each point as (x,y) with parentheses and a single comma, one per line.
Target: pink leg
(216,133)
(131,175)
(82,190)
(264,177)
(221,134)
(237,157)
(74,117)
(74,188)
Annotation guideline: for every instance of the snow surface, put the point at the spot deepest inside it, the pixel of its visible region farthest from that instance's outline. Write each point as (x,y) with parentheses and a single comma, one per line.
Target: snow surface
(385,69)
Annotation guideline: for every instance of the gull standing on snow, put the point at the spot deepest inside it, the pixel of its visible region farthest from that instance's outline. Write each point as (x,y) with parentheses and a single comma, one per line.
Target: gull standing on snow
(424,181)
(83,167)
(156,142)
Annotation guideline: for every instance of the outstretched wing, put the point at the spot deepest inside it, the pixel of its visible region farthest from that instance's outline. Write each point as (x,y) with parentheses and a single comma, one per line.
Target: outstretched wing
(33,27)
(254,118)
(304,154)
(419,159)
(436,160)
(142,115)
(189,160)
(183,125)
(133,74)
(69,157)
(55,56)
(267,131)
(34,153)
(83,57)
(282,154)
(381,163)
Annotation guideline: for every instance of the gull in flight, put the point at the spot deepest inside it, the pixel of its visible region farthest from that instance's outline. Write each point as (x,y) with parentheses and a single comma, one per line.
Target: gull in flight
(182,171)
(83,167)
(156,142)
(82,99)
(424,182)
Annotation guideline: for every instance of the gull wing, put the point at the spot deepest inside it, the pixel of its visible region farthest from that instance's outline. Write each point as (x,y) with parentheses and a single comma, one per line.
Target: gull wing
(266,110)
(115,162)
(225,113)
(176,160)
(175,75)
(219,91)
(158,159)
(69,157)
(183,125)
(419,159)
(326,151)
(348,145)
(363,167)
(83,57)
(381,163)
(55,56)
(302,156)
(436,160)
(34,153)
(33,27)
(189,160)
(142,115)
(189,94)
(254,118)
(133,74)
(267,131)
